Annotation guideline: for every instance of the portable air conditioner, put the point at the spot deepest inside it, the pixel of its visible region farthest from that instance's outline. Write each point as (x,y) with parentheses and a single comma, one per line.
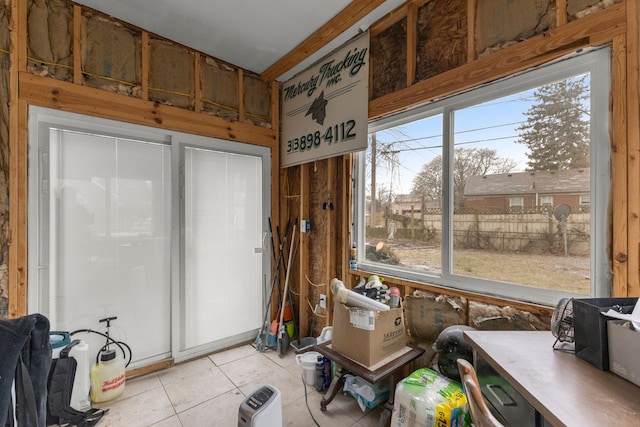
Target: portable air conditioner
(263,408)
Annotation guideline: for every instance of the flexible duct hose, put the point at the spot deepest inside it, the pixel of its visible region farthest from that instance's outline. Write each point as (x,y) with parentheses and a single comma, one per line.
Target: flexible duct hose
(354,299)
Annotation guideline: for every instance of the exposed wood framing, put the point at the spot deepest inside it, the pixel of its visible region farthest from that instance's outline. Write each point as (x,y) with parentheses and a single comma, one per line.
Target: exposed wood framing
(471,30)
(393,17)
(197,92)
(144,65)
(345,19)
(619,169)
(77,44)
(17,165)
(618,25)
(633,145)
(331,233)
(412,33)
(241,95)
(275,172)
(80,99)
(409,286)
(303,251)
(561,12)
(534,51)
(347,217)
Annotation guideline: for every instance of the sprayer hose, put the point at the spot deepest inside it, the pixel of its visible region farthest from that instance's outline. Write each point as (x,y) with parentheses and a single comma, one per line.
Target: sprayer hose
(118,343)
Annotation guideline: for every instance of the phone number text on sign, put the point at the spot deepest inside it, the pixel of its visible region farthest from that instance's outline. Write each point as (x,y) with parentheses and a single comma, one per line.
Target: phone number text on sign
(332,135)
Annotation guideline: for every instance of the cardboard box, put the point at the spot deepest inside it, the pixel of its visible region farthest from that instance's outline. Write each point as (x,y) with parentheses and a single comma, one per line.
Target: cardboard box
(427,314)
(590,327)
(367,336)
(624,348)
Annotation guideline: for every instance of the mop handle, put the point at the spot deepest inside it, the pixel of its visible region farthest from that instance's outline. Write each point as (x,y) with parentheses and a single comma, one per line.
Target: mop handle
(286,278)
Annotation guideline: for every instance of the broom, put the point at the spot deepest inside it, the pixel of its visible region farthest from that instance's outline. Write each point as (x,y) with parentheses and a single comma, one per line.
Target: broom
(283,335)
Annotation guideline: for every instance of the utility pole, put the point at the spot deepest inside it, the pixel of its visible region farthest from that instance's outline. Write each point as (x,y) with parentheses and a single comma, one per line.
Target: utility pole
(373,180)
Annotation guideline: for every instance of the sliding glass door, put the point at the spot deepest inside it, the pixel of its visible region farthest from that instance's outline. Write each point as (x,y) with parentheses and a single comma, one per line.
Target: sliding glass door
(162,230)
(222,260)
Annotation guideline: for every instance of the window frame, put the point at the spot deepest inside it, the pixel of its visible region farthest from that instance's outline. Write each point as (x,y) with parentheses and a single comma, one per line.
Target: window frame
(518,199)
(546,200)
(597,62)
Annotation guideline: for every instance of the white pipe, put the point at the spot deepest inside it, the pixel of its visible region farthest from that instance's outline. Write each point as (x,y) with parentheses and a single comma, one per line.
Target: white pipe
(354,299)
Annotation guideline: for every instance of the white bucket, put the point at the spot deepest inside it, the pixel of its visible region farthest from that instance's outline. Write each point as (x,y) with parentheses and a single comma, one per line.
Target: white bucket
(308,363)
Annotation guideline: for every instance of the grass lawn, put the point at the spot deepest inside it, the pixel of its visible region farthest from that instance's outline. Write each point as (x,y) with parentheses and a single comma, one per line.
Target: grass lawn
(560,272)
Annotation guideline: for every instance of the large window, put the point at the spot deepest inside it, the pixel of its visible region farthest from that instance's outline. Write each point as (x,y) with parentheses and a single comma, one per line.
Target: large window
(484,191)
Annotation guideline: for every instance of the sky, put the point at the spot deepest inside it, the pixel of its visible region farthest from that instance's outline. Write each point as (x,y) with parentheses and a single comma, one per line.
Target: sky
(491,125)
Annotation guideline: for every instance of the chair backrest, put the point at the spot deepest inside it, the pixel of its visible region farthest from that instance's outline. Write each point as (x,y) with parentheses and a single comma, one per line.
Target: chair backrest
(480,413)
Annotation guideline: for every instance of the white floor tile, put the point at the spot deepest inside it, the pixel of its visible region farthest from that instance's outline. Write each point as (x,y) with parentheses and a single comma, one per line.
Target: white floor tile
(220,411)
(208,392)
(144,409)
(197,388)
(233,354)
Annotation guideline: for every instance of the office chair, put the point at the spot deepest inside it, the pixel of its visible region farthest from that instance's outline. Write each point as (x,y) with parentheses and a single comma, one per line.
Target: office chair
(480,413)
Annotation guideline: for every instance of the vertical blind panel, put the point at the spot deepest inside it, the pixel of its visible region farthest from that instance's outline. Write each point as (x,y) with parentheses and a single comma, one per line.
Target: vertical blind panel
(109,229)
(223,223)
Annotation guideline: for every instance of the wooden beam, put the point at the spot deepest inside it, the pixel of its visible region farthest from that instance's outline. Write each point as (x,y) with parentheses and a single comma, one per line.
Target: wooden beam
(561,12)
(331,234)
(303,250)
(197,92)
(346,236)
(390,19)
(633,146)
(85,100)
(77,44)
(590,30)
(145,66)
(472,7)
(619,169)
(275,152)
(345,19)
(17,262)
(412,43)
(240,95)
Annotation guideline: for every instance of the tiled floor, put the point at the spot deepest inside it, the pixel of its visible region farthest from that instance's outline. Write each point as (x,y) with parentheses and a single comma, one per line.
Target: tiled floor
(208,392)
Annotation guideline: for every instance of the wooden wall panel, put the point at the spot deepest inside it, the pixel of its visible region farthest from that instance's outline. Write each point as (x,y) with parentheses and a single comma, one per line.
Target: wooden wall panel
(442,37)
(5,83)
(501,23)
(388,60)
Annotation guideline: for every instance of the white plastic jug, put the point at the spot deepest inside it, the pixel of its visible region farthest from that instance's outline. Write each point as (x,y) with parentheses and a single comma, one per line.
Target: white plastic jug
(81,384)
(107,377)
(326,334)
(308,363)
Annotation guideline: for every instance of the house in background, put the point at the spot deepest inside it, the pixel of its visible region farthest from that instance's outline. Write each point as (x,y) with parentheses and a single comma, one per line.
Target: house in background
(523,190)
(405,204)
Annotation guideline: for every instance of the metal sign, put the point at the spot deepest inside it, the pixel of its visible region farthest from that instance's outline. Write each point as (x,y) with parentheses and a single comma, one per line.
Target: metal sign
(325,108)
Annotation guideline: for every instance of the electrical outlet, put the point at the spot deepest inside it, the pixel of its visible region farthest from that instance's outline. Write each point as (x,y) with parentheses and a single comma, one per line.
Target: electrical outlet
(323,301)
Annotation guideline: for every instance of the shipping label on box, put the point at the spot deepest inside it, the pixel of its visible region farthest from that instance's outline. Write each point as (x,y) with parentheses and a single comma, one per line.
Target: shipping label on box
(362,319)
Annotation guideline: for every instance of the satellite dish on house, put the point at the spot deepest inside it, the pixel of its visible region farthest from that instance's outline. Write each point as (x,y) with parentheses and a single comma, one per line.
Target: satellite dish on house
(562,212)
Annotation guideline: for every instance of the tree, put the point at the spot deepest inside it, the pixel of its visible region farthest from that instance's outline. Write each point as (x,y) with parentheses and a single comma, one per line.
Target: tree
(556,130)
(466,162)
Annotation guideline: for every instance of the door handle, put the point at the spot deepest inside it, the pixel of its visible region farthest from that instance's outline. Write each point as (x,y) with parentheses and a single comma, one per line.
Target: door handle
(501,395)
